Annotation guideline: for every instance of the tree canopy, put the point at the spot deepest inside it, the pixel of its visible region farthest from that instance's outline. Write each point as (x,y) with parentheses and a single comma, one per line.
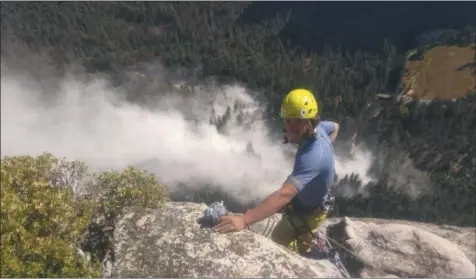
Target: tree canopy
(221,39)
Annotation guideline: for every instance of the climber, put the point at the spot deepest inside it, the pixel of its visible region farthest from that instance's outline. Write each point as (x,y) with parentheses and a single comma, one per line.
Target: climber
(304,194)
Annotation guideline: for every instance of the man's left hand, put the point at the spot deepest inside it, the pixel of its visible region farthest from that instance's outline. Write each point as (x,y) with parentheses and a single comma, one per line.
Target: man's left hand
(231,223)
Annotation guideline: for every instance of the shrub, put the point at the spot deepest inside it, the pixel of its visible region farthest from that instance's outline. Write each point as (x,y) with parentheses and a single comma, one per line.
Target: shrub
(114,190)
(40,222)
(43,220)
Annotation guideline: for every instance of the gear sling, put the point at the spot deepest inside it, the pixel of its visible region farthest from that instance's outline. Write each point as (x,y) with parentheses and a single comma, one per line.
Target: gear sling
(296,228)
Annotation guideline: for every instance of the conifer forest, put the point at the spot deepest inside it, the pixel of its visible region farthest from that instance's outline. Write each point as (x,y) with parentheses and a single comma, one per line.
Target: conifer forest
(352,54)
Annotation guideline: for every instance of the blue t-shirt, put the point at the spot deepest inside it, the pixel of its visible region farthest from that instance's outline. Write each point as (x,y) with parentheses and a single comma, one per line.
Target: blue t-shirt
(314,167)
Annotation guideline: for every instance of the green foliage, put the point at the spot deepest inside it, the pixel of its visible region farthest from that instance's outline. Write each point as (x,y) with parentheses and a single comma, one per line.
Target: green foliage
(217,39)
(42,222)
(131,187)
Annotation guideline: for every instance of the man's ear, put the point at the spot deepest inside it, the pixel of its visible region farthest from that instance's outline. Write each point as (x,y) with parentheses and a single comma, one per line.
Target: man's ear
(310,127)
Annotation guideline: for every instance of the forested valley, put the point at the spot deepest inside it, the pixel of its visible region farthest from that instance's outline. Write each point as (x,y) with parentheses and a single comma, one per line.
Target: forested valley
(271,48)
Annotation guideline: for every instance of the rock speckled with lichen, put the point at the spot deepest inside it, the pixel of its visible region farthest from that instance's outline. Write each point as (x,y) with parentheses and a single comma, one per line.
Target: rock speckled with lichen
(168,242)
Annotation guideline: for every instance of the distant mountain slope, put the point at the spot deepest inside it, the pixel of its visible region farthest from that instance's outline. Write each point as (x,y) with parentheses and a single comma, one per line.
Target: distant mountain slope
(444,72)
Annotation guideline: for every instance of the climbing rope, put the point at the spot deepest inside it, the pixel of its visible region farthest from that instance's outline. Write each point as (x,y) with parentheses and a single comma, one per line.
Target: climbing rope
(329,239)
(271,221)
(324,246)
(333,255)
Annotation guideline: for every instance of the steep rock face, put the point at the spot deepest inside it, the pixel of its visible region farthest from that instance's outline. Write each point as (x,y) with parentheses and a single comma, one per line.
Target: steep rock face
(463,237)
(168,242)
(399,249)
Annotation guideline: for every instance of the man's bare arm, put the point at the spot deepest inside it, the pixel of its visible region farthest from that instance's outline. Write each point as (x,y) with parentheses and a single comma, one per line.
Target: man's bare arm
(272,204)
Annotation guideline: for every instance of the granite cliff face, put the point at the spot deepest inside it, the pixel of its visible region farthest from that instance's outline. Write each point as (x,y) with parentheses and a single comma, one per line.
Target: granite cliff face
(397,248)
(169,242)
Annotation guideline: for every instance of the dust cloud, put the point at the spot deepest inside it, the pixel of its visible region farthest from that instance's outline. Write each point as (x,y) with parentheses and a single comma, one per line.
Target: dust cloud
(85,118)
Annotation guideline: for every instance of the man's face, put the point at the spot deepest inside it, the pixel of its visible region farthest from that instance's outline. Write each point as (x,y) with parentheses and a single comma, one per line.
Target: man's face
(296,129)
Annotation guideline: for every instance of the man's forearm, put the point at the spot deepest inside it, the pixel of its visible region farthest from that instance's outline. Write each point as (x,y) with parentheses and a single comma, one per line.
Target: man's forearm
(272,204)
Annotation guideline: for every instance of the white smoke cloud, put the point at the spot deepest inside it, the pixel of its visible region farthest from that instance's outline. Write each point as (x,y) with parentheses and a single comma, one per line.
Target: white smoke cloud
(88,120)
(356,164)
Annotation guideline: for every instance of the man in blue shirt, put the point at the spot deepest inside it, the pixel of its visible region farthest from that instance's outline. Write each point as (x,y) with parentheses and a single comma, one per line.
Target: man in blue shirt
(304,193)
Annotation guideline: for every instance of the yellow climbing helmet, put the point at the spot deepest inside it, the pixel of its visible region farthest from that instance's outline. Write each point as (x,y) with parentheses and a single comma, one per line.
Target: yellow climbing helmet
(299,103)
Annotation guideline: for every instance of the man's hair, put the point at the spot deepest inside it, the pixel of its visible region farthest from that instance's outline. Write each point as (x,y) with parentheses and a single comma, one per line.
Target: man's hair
(315,121)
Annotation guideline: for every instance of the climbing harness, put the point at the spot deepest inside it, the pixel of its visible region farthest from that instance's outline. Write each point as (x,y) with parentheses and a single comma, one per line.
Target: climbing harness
(321,248)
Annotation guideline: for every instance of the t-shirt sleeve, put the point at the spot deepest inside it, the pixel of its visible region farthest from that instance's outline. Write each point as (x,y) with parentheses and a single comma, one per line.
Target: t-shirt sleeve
(306,168)
(328,126)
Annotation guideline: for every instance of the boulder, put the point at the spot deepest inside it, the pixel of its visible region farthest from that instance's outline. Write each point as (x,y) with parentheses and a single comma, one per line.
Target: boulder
(398,249)
(169,242)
